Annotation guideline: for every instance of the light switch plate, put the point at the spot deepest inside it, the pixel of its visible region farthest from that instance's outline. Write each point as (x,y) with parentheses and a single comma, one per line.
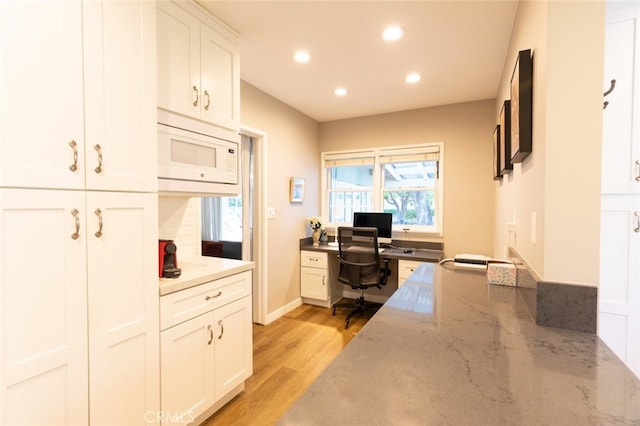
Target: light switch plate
(271,212)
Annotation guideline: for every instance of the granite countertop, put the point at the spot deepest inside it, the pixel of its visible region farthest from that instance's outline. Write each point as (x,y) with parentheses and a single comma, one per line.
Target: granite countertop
(200,270)
(449,349)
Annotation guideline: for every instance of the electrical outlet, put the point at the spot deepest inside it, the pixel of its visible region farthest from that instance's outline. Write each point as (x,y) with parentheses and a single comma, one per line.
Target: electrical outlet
(271,212)
(511,227)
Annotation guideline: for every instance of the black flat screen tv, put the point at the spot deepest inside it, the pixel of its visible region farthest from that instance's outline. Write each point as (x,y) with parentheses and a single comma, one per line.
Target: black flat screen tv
(382,221)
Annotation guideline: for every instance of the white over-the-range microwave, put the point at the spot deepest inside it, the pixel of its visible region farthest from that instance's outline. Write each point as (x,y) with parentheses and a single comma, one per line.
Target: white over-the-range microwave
(188,156)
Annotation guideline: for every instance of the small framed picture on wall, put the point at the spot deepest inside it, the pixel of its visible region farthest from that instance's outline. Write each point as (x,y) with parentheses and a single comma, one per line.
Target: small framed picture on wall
(296,190)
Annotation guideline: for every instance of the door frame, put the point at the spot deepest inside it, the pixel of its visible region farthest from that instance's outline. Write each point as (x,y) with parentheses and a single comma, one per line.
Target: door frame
(259,245)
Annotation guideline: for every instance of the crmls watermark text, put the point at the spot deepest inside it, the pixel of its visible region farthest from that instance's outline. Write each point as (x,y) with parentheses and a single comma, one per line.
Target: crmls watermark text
(182,417)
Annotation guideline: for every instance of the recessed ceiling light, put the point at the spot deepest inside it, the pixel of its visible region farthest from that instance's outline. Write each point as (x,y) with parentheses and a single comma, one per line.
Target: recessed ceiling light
(392,33)
(301,56)
(413,77)
(340,91)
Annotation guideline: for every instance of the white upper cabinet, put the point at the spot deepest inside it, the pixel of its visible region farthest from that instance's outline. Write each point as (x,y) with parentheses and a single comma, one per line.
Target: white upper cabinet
(120,95)
(41,95)
(62,127)
(621,126)
(198,65)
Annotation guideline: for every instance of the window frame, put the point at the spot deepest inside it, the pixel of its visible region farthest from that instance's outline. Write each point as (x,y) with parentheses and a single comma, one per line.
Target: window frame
(399,231)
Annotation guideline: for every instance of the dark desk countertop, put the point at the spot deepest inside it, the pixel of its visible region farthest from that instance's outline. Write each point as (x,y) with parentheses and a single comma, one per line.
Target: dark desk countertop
(449,349)
(415,254)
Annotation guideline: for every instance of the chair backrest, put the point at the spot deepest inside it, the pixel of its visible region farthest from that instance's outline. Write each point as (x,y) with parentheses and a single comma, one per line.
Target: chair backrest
(359,257)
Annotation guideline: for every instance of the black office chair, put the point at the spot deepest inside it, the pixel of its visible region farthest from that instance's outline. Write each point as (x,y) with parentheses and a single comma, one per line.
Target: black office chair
(360,266)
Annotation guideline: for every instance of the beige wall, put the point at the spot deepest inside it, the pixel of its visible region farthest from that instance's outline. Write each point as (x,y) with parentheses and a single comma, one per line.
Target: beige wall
(560,181)
(467,132)
(292,150)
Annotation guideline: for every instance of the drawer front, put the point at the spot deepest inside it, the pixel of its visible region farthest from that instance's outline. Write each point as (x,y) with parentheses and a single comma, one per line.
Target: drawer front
(185,304)
(313,259)
(406,268)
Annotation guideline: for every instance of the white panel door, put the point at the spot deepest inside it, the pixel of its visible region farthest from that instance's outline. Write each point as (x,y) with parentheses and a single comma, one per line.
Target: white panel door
(313,283)
(233,345)
(122,232)
(178,47)
(621,125)
(187,369)
(41,98)
(220,77)
(43,309)
(120,95)
(619,290)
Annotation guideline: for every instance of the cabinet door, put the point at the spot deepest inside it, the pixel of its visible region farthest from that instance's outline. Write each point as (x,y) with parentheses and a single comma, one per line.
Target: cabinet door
(619,290)
(220,78)
(313,283)
(178,60)
(43,309)
(123,306)
(41,94)
(120,95)
(233,358)
(187,369)
(621,135)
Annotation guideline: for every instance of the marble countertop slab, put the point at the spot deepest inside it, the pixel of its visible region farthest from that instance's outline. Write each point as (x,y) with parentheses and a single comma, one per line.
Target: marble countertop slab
(449,349)
(200,270)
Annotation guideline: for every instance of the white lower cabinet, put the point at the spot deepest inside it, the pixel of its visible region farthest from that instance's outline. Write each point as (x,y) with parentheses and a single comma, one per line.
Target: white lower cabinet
(208,356)
(405,269)
(314,275)
(79,307)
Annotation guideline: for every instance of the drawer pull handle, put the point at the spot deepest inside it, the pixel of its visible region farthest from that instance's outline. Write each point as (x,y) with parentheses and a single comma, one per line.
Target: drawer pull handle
(637,215)
(213,297)
(98,213)
(221,329)
(210,334)
(98,149)
(206,107)
(638,164)
(75,214)
(74,147)
(195,90)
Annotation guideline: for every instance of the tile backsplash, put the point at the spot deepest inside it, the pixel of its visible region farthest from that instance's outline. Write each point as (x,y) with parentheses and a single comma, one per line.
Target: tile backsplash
(179,220)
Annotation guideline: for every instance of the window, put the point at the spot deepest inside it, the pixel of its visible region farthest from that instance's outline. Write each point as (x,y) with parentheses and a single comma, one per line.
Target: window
(405,181)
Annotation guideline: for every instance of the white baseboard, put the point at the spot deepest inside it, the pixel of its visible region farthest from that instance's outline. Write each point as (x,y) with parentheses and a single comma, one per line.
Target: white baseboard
(271,317)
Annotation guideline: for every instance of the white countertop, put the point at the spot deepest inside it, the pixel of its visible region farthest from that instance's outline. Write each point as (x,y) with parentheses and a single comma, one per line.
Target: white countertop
(200,270)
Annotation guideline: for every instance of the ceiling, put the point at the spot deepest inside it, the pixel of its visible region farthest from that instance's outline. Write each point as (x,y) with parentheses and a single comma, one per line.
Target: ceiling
(459,47)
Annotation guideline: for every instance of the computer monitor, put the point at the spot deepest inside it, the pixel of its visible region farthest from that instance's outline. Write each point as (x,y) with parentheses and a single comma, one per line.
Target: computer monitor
(382,221)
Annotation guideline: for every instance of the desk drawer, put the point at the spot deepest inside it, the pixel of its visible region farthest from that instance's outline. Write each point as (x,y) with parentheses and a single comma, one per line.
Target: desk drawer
(186,304)
(406,268)
(313,259)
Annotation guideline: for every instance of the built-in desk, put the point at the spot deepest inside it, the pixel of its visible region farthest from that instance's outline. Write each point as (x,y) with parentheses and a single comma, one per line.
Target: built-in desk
(450,349)
(319,267)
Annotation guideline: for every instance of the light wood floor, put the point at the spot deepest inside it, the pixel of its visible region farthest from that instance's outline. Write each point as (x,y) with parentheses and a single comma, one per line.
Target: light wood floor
(288,355)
